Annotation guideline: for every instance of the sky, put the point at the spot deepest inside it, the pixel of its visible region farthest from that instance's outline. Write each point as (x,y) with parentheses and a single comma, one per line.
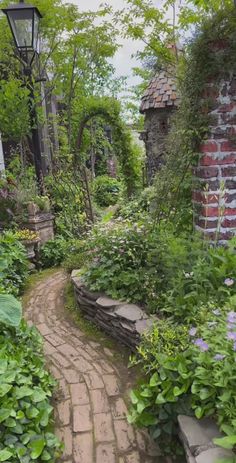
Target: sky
(123,61)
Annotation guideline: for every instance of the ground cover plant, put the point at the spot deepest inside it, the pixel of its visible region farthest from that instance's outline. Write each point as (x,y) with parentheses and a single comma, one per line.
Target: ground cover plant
(25,391)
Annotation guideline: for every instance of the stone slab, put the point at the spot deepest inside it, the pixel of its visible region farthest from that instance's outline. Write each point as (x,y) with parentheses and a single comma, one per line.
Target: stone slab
(197,433)
(130,312)
(108,303)
(214,455)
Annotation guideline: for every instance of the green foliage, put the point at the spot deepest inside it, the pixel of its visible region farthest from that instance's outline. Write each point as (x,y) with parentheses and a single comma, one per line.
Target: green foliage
(153,266)
(106,190)
(53,252)
(76,257)
(10,310)
(198,378)
(13,264)
(70,215)
(127,154)
(139,207)
(14,109)
(25,391)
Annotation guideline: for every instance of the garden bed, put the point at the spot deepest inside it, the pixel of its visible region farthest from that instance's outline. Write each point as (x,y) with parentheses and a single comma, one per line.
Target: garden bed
(123,321)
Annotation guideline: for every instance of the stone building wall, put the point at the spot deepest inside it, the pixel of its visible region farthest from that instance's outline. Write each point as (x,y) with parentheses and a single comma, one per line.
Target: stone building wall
(156,129)
(214,194)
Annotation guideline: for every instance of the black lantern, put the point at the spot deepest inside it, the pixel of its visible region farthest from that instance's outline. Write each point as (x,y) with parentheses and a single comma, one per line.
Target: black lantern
(23,19)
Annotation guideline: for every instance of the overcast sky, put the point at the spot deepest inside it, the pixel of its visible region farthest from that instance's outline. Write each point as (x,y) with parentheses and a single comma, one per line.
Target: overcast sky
(122,61)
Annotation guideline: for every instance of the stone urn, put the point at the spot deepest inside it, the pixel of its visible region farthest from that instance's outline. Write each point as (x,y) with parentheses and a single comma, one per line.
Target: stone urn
(30,246)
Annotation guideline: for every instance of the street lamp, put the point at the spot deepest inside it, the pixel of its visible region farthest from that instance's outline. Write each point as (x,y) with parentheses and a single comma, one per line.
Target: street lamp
(23,20)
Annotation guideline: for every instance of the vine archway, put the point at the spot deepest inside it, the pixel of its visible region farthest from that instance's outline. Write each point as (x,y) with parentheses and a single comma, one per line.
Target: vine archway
(109,110)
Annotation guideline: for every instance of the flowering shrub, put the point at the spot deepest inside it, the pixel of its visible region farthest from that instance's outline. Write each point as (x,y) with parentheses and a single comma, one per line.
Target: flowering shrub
(26,235)
(151,266)
(199,379)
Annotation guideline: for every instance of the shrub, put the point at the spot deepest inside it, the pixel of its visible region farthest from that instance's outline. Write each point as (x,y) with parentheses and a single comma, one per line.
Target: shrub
(13,264)
(197,378)
(53,252)
(106,190)
(152,266)
(138,208)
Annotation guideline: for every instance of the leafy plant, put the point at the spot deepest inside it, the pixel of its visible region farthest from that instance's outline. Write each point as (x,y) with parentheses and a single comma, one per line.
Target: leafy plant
(53,252)
(106,190)
(10,310)
(13,264)
(25,391)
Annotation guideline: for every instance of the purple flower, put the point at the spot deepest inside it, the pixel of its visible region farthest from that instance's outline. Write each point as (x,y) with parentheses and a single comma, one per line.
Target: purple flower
(231,336)
(193,331)
(229,282)
(216,312)
(219,357)
(231,317)
(203,346)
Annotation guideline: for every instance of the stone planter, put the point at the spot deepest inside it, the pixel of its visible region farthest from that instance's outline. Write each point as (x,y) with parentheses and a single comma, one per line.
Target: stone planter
(121,320)
(40,222)
(30,246)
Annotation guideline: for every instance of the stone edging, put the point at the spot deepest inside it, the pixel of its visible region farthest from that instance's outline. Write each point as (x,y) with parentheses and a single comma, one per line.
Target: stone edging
(197,437)
(123,321)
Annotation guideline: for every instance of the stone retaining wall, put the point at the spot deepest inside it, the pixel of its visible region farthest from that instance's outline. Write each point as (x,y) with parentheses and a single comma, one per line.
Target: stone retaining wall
(197,437)
(123,321)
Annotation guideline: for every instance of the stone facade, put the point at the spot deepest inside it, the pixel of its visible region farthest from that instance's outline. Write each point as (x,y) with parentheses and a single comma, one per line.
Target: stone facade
(214,195)
(156,128)
(124,322)
(159,102)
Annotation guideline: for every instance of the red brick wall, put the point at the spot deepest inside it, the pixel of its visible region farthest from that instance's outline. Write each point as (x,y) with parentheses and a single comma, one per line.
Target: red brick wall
(214,194)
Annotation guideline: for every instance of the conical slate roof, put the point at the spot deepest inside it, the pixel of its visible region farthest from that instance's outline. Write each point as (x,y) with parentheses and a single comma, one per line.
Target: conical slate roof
(161,93)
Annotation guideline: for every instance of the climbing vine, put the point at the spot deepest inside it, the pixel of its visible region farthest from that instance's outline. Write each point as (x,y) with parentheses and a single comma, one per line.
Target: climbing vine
(109,109)
(209,54)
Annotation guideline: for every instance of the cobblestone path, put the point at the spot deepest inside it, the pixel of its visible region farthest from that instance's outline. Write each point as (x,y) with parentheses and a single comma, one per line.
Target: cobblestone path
(89,403)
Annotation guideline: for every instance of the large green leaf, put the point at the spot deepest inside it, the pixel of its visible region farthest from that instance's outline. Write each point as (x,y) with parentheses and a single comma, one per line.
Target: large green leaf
(226,442)
(5,455)
(10,310)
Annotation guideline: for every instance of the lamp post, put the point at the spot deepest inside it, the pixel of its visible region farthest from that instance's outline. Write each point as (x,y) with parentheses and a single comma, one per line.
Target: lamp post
(23,20)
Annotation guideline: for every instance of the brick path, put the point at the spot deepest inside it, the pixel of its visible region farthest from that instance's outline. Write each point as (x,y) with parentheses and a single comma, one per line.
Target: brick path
(89,406)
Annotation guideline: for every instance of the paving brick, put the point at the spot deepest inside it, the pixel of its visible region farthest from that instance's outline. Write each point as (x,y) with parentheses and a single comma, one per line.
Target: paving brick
(105,366)
(48,348)
(63,409)
(65,435)
(99,401)
(82,418)
(124,434)
(83,448)
(111,385)
(68,350)
(72,376)
(105,453)
(55,340)
(83,365)
(79,394)
(60,360)
(132,458)
(93,380)
(119,409)
(44,329)
(55,372)
(103,427)
(63,390)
